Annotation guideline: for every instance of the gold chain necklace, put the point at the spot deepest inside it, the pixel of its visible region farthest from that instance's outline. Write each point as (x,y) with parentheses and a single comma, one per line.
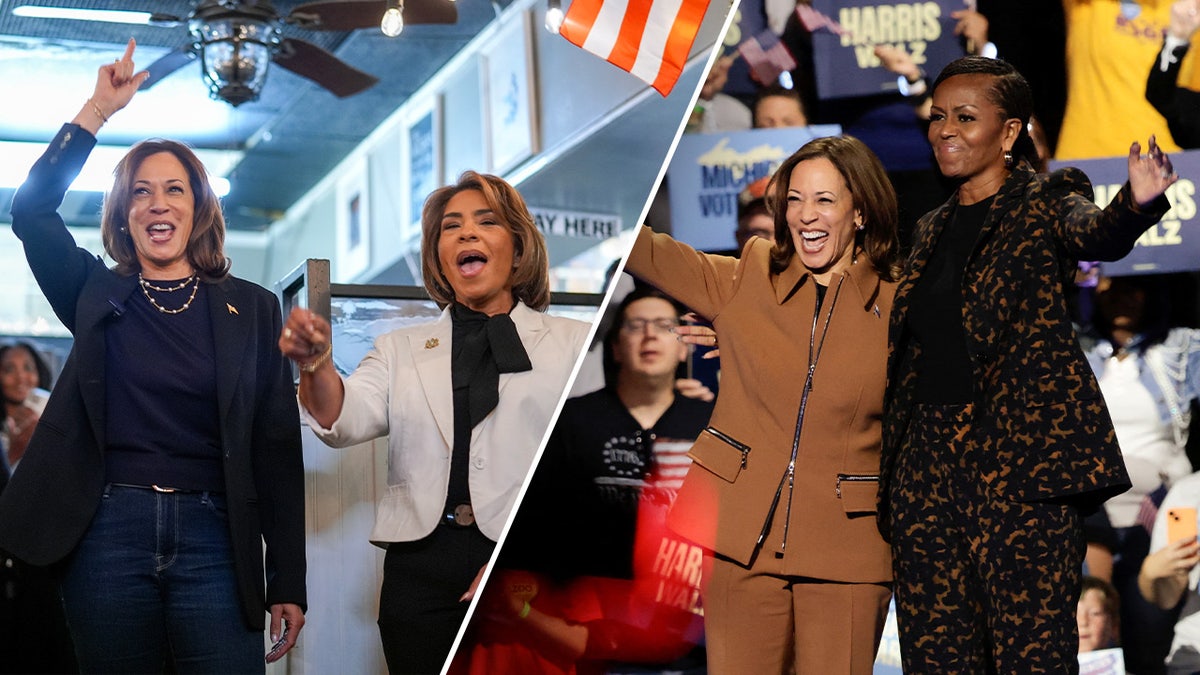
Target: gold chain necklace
(147,287)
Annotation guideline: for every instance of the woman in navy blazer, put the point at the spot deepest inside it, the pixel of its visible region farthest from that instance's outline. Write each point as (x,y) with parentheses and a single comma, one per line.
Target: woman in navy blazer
(169,450)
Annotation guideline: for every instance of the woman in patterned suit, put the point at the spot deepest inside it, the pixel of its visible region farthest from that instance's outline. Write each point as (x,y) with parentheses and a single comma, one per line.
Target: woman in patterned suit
(996,438)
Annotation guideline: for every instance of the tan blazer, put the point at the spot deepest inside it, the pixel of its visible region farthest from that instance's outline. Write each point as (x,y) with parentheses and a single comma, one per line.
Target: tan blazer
(763,324)
(402,390)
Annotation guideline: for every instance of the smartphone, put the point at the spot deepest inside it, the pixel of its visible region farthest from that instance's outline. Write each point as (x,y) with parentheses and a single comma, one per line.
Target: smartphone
(1181,523)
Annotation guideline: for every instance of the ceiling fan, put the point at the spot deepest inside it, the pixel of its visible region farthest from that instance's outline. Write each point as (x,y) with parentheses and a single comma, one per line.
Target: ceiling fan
(236,40)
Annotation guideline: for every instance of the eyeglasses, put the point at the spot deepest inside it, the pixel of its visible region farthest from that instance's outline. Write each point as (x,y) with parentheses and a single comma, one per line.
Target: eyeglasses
(639,325)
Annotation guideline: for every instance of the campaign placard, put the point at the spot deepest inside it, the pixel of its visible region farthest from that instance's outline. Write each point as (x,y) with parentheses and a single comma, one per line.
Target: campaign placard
(709,170)
(844,42)
(1173,245)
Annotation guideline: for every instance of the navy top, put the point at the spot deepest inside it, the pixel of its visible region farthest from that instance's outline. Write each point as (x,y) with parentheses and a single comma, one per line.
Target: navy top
(163,427)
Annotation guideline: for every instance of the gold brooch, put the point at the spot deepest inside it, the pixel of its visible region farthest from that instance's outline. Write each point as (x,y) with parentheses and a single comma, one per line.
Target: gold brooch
(431,343)
(231,308)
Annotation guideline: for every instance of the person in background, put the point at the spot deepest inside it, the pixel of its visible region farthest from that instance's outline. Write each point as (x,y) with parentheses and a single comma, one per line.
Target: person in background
(1109,45)
(715,111)
(24,384)
(169,452)
(1179,105)
(463,401)
(1170,578)
(783,480)
(753,217)
(777,107)
(1149,373)
(592,522)
(33,631)
(1098,615)
(996,438)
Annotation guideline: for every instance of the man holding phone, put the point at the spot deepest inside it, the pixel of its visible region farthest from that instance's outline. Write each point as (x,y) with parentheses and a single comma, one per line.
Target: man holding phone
(1170,575)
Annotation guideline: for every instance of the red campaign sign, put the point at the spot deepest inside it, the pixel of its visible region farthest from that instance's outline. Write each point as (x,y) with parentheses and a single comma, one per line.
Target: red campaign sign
(1173,245)
(846,32)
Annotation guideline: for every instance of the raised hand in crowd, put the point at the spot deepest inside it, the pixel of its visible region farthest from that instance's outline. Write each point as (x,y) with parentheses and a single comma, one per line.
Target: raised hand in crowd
(1164,574)
(1185,19)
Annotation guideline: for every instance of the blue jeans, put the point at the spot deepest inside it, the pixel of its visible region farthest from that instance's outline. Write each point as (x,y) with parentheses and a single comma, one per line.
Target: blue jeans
(153,579)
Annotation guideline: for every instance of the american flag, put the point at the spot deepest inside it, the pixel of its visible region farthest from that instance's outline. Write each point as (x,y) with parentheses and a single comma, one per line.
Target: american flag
(1148,510)
(814,20)
(767,56)
(648,38)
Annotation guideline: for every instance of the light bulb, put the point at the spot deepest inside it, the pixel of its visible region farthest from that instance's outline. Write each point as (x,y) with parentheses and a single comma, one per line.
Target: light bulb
(393,22)
(554,19)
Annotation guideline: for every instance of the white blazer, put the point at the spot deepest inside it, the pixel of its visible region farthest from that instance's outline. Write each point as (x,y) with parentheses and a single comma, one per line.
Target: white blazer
(402,390)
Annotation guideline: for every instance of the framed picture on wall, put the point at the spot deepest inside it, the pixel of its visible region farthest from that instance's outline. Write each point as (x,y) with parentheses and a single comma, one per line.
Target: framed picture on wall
(353,224)
(424,137)
(510,82)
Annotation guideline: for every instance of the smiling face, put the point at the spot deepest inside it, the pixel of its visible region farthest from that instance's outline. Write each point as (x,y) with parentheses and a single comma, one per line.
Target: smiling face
(161,216)
(645,347)
(821,218)
(18,375)
(476,254)
(969,133)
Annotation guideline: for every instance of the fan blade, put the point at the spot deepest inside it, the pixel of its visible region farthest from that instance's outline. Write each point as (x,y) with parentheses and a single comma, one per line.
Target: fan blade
(165,20)
(348,15)
(168,64)
(308,60)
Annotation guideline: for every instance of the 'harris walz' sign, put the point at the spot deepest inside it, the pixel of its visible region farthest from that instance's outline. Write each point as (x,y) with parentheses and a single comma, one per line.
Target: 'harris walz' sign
(846,64)
(709,170)
(1173,245)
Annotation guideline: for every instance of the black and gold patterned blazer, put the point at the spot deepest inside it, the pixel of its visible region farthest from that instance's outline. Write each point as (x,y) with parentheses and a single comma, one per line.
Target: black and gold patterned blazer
(1040,422)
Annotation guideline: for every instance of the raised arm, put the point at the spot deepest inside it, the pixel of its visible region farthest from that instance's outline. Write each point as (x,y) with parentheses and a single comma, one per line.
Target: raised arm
(702,281)
(306,339)
(116,83)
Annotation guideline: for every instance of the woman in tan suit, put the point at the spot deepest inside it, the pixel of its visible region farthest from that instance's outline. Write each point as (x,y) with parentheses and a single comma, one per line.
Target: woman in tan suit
(782,489)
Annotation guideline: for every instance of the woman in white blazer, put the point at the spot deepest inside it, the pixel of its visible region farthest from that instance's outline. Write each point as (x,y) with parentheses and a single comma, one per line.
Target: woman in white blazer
(464,402)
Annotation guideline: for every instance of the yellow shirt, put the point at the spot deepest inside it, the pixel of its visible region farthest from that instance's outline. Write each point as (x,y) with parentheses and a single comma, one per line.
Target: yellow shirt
(1110,48)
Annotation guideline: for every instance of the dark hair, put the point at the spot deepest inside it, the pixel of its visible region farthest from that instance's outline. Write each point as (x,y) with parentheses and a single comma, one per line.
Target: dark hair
(776,91)
(1009,91)
(206,245)
(639,292)
(43,371)
(531,274)
(869,187)
(1156,320)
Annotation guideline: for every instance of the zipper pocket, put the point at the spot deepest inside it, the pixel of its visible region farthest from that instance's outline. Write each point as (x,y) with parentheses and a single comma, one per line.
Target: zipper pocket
(737,445)
(853,478)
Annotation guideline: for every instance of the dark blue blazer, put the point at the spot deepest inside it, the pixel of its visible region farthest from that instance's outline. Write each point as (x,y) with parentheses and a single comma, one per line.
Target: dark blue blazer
(51,499)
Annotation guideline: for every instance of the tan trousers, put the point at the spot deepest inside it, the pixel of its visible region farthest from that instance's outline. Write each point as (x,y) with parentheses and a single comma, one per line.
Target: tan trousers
(759,622)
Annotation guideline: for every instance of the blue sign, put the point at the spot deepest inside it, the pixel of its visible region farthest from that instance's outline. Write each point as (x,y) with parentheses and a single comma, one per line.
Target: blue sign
(844,48)
(709,170)
(1173,245)
(422,164)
